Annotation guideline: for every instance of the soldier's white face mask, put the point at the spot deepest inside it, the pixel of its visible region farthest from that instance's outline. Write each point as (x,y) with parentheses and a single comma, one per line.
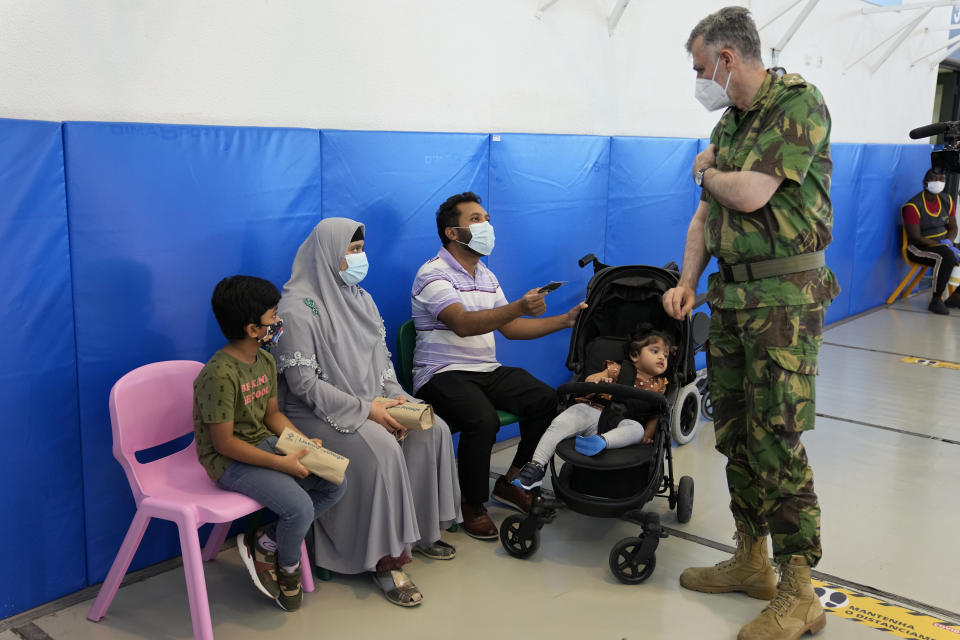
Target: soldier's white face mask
(935,186)
(709,92)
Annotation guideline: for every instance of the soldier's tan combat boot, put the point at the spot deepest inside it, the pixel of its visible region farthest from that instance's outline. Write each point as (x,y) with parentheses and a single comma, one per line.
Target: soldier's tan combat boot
(795,611)
(748,570)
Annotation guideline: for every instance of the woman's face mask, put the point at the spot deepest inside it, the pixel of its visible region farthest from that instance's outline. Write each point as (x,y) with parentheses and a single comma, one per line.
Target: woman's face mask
(709,92)
(936,186)
(356,270)
(482,239)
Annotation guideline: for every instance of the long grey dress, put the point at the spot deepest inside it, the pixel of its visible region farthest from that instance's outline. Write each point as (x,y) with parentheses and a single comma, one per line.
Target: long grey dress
(333,360)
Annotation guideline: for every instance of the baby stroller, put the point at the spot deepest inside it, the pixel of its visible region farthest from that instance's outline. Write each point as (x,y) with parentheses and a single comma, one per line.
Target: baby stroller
(616,483)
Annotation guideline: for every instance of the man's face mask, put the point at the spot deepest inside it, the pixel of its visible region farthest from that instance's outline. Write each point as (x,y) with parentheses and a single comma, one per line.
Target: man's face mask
(273,333)
(709,92)
(482,237)
(936,186)
(356,270)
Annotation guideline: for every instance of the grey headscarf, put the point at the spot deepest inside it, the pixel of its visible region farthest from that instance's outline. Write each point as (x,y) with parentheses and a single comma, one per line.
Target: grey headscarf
(333,327)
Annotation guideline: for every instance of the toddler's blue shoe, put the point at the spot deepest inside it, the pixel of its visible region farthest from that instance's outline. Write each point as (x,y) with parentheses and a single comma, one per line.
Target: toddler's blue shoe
(590,445)
(530,476)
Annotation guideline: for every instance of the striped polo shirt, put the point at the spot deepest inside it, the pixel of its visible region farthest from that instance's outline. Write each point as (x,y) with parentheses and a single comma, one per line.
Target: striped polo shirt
(439,283)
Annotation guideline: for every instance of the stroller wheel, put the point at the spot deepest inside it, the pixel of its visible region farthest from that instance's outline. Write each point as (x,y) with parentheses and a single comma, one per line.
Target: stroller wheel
(706,405)
(685,414)
(627,564)
(518,540)
(685,499)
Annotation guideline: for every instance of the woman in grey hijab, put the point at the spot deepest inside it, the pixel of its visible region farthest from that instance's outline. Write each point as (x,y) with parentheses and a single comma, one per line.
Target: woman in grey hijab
(333,361)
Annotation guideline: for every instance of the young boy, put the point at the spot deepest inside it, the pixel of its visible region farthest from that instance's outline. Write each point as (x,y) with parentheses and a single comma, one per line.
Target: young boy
(236,423)
(648,355)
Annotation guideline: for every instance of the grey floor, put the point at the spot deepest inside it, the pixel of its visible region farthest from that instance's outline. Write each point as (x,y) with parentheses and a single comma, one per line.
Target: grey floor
(886,456)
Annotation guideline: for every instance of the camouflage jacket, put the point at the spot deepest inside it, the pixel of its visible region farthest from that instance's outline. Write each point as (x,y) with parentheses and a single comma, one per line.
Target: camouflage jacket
(785,133)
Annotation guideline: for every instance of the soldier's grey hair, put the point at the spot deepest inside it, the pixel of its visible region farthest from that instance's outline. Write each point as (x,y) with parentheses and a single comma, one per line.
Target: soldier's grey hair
(729,27)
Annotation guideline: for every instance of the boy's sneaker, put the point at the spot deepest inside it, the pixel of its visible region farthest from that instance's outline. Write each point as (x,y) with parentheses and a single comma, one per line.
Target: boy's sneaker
(291,589)
(530,476)
(260,563)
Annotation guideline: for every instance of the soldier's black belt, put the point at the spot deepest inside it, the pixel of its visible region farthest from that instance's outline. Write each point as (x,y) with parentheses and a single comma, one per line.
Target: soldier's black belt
(746,271)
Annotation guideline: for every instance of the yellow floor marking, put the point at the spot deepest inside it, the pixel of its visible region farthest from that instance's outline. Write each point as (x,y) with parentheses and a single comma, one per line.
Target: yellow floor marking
(927,362)
(879,614)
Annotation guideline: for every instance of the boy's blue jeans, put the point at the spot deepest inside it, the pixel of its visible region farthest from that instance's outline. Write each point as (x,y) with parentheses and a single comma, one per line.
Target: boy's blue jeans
(296,502)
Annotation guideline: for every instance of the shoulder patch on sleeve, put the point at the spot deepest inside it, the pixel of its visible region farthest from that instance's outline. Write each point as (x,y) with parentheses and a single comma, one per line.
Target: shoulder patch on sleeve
(793,80)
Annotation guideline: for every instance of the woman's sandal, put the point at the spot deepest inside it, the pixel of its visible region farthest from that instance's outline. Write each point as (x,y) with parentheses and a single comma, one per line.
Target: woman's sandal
(404,593)
(438,550)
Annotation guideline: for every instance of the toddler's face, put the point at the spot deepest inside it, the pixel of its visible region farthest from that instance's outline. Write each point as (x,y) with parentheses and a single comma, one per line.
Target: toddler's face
(652,359)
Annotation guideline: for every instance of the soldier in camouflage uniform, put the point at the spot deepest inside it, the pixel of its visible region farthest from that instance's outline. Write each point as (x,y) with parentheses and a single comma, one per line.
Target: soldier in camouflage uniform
(765,214)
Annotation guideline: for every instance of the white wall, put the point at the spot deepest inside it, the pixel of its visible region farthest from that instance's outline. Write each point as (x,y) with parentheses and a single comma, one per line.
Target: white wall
(432,65)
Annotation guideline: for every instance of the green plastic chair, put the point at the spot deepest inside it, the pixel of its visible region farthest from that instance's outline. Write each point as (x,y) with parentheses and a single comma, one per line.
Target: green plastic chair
(406,339)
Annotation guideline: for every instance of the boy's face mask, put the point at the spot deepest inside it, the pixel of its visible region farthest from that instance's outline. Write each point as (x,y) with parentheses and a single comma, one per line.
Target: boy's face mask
(936,186)
(273,333)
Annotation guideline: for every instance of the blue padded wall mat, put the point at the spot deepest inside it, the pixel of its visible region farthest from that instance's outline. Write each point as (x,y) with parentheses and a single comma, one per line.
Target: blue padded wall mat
(155,215)
(652,199)
(548,201)
(393,182)
(42,503)
(889,175)
(844,195)
(159,214)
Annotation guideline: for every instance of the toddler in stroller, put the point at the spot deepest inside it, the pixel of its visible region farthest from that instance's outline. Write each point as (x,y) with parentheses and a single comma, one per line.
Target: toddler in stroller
(616,480)
(645,361)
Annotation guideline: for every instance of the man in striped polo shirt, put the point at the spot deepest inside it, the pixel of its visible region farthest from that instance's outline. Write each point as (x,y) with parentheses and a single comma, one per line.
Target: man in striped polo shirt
(457,305)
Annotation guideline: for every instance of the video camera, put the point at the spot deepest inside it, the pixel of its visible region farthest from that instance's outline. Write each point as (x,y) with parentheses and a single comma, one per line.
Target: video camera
(948,158)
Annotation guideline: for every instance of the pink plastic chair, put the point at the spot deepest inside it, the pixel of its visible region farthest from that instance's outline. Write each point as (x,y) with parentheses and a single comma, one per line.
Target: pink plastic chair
(149,406)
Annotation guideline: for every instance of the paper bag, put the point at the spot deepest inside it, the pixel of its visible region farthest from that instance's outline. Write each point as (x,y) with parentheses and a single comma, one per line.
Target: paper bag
(411,415)
(318,461)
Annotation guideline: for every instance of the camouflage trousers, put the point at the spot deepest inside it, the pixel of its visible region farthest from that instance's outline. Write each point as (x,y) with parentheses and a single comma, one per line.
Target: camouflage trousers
(761,367)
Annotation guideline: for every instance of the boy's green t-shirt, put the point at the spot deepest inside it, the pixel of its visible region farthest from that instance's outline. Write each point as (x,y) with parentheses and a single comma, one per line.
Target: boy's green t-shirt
(228,389)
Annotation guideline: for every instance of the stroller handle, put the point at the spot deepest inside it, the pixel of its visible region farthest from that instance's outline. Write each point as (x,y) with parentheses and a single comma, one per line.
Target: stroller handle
(618,391)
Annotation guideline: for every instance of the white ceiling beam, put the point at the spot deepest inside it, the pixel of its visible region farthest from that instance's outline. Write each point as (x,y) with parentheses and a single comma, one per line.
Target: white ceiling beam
(899,39)
(949,43)
(948,54)
(879,44)
(778,48)
(546,5)
(796,25)
(786,7)
(616,14)
(910,7)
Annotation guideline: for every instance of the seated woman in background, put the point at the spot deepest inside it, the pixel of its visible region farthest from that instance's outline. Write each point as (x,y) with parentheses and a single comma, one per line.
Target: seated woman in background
(333,361)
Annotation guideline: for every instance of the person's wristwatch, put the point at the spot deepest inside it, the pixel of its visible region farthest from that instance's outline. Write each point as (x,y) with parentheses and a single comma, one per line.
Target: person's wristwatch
(698,176)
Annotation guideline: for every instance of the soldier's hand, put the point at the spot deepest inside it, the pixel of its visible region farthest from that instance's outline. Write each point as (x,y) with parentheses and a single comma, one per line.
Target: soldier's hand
(706,158)
(678,302)
(532,303)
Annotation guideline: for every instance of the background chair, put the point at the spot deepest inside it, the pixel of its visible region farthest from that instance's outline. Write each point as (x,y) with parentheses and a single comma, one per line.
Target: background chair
(915,274)
(150,406)
(406,340)
(913,277)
